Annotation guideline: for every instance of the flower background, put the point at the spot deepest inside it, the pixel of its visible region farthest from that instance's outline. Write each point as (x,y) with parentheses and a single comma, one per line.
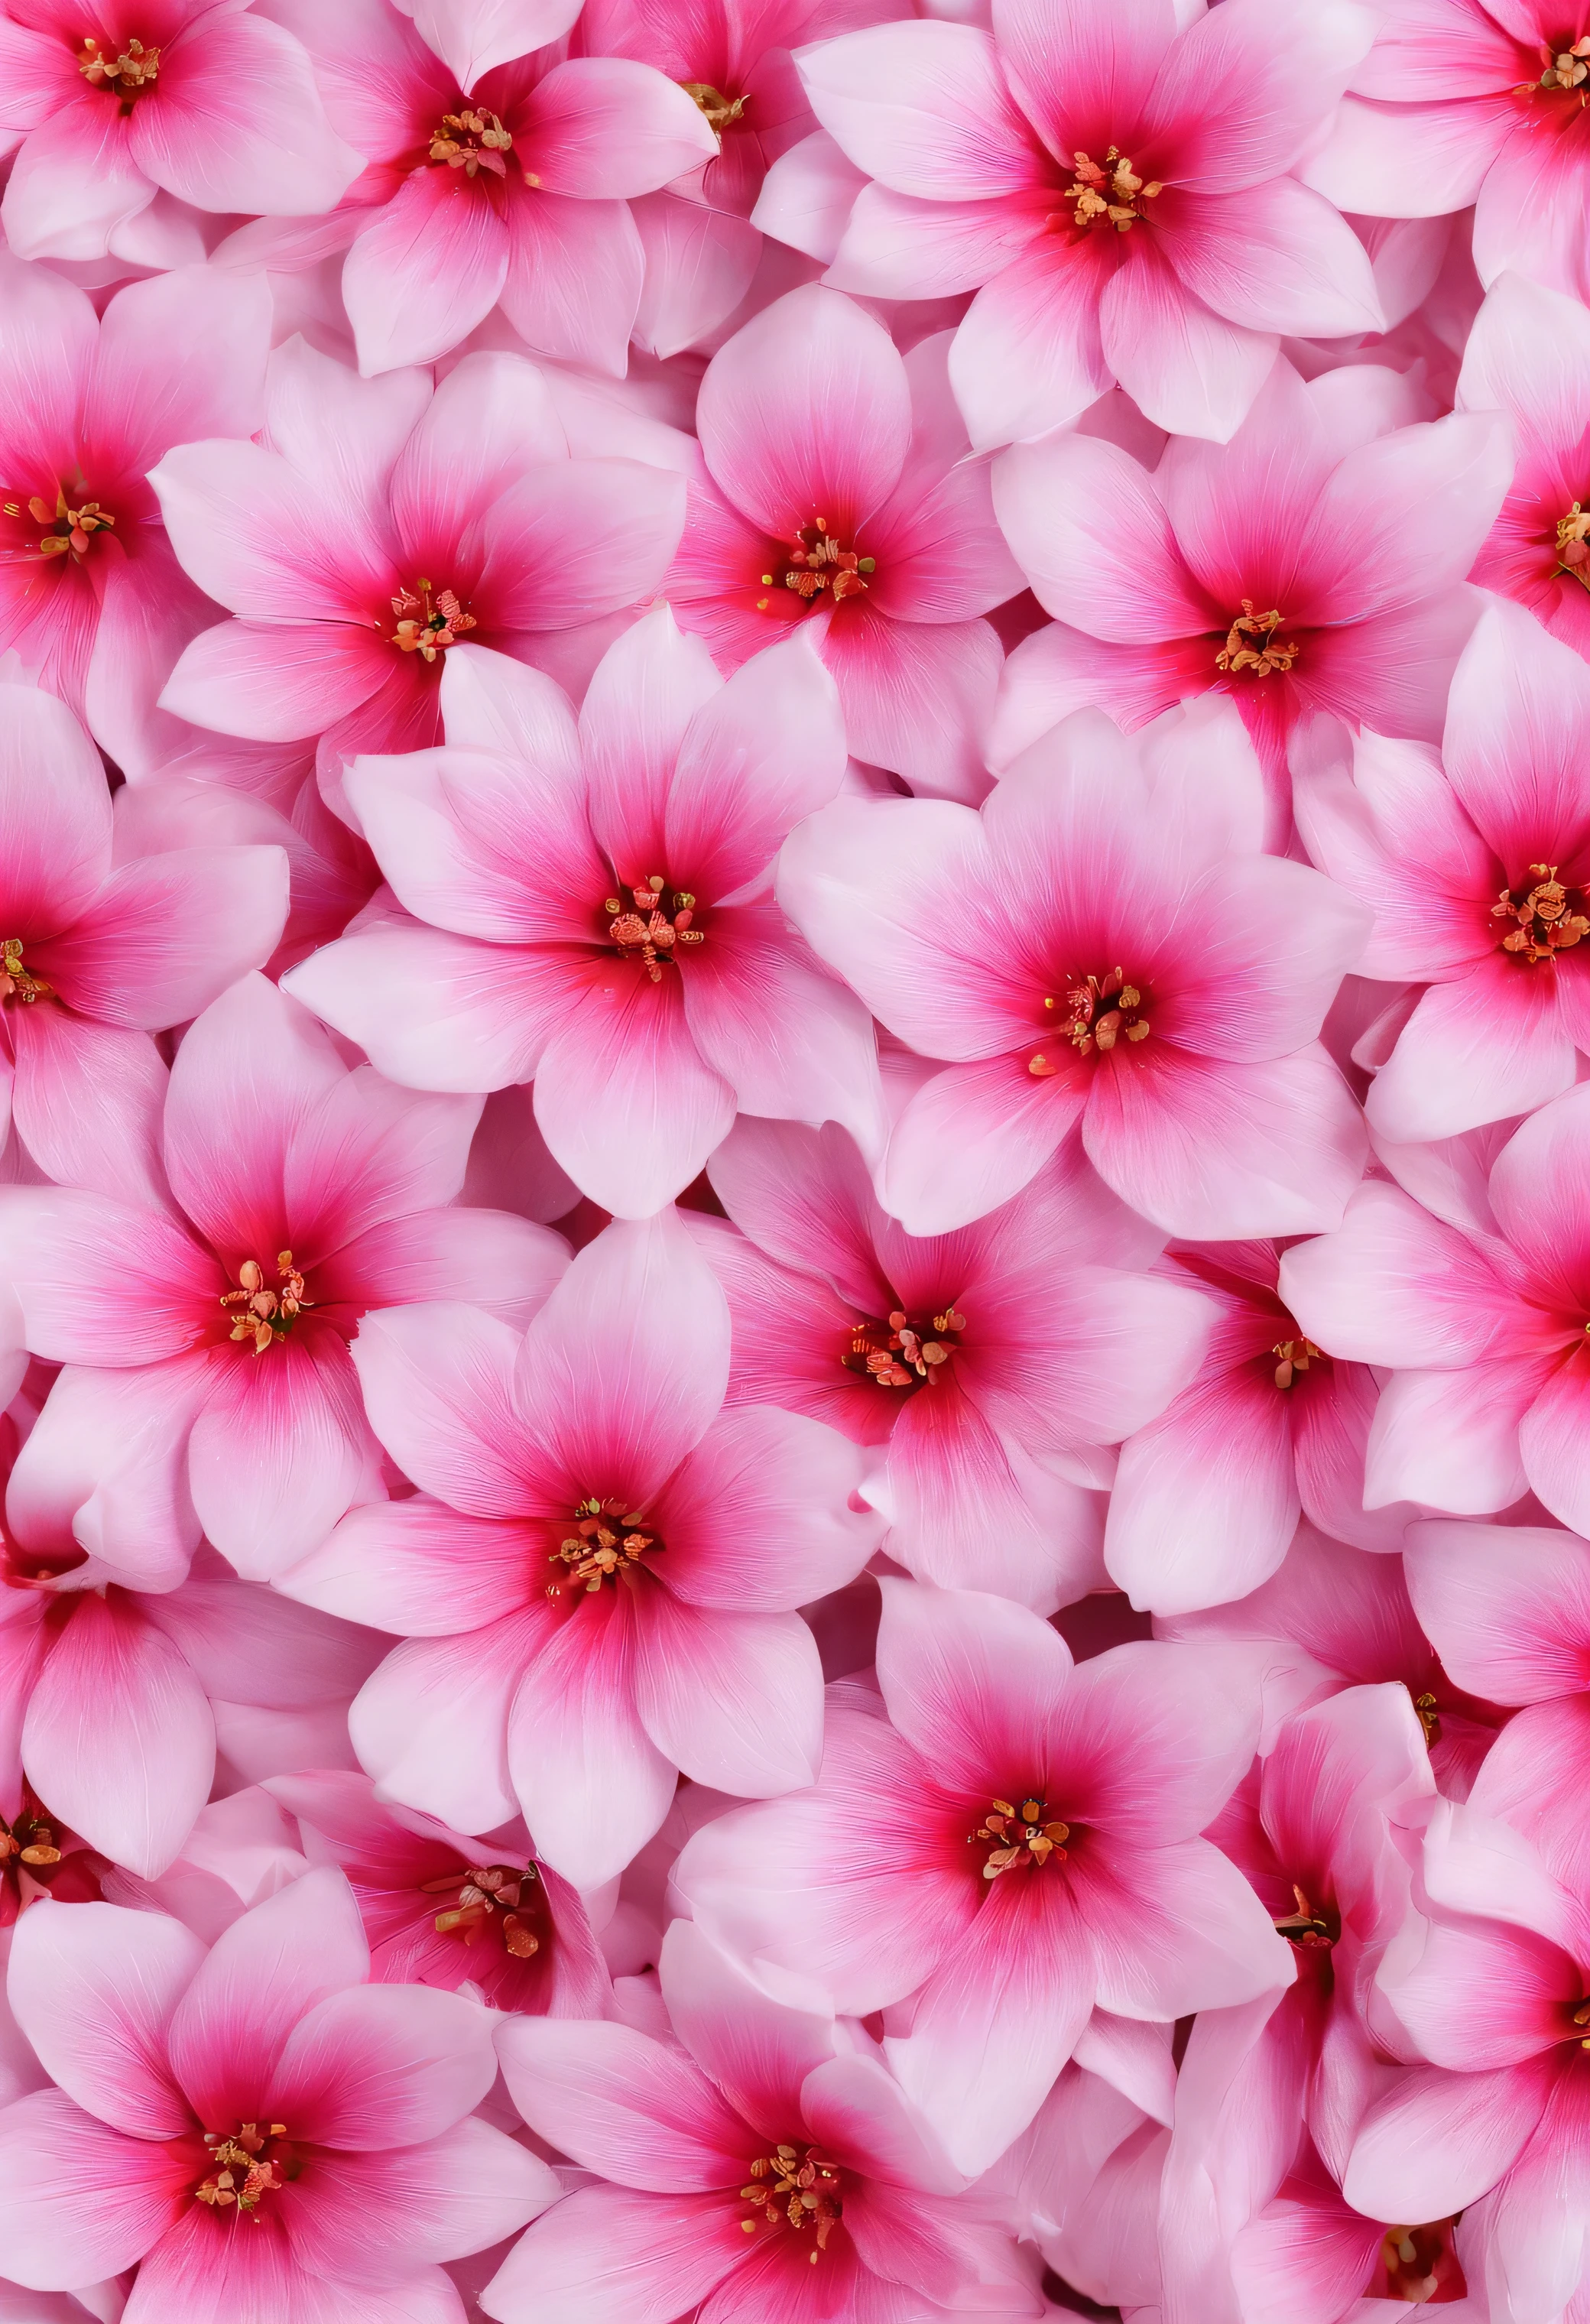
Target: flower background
(795,1161)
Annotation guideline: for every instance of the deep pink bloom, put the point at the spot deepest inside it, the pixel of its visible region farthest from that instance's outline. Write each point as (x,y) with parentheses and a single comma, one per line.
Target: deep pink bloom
(104,943)
(701,247)
(208,1381)
(838,498)
(1331,1617)
(1313,563)
(1027,1341)
(493,175)
(1308,2251)
(109,1693)
(91,595)
(1468,103)
(1106,944)
(1486,1334)
(335,2114)
(1111,180)
(1016,1844)
(108,104)
(1476,868)
(1528,354)
(688,2137)
(383,520)
(1206,1496)
(519,1934)
(598,1579)
(599,897)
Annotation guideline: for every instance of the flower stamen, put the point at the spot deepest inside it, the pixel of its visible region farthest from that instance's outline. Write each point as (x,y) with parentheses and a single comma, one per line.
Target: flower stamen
(1304,1927)
(1573,544)
(1021,1835)
(243,2174)
(268,1316)
(125,75)
(799,2189)
(1250,644)
(471,140)
(1110,195)
(719,111)
(72,529)
(15,983)
(648,929)
(1296,1356)
(818,564)
(1547,923)
(606,1542)
(1102,1009)
(429,627)
(903,1353)
(487,1897)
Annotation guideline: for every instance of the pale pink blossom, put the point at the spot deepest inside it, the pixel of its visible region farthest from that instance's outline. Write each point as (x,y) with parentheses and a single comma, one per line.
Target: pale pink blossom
(208,1380)
(1112,181)
(839,498)
(598,1579)
(252,2126)
(1107,946)
(1308,2251)
(1315,562)
(379,521)
(91,595)
(1332,1616)
(493,175)
(757,2164)
(442,1908)
(1484,1335)
(108,103)
(595,910)
(1475,866)
(1468,103)
(1206,1496)
(103,943)
(1016,1844)
(984,1369)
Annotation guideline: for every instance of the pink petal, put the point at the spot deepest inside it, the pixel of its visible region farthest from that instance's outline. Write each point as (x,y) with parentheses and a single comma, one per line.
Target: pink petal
(623,2105)
(734,1700)
(699,263)
(239,124)
(60,1246)
(889,245)
(431,1726)
(491,1259)
(438,1384)
(55,832)
(792,1536)
(105,1468)
(382,2213)
(93,1987)
(917,697)
(949,130)
(417,1568)
(1274,257)
(1405,515)
(609,2255)
(1081,505)
(81,2199)
(383,2065)
(757,2051)
(1243,109)
(575,274)
(1186,368)
(255,534)
(1394,1285)
(1507,1607)
(73,183)
(87,1102)
(249,1645)
(600,126)
(1550,1441)
(279,1451)
(195,919)
(1029,354)
(472,1017)
(972,1680)
(971,1137)
(1439,2141)
(1482,1049)
(438,234)
(1451,1439)
(610,528)
(1205,1502)
(276,682)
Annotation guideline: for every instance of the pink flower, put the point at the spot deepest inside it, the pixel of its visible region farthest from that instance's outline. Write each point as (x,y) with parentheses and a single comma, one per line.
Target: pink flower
(109,1693)
(1528,354)
(493,175)
(1308,2251)
(103,944)
(1313,563)
(91,595)
(701,247)
(441,1909)
(209,1382)
(281,2138)
(1208,1495)
(1115,190)
(1105,945)
(1486,1334)
(1016,1844)
(757,2164)
(1475,868)
(839,498)
(108,104)
(1331,1617)
(1507,1607)
(599,899)
(983,1367)
(384,521)
(598,1580)
(1471,104)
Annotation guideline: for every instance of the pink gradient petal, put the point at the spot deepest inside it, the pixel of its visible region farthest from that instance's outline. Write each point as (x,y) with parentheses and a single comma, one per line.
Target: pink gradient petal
(431,1726)
(93,1987)
(733,1700)
(437,232)
(613,2254)
(949,130)
(80,2199)
(383,2065)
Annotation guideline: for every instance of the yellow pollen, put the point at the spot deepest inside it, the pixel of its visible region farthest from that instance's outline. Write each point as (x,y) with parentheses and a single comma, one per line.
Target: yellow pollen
(15,983)
(650,931)
(243,2174)
(1573,544)
(1429,1717)
(267,1317)
(31,1840)
(471,140)
(606,1542)
(901,1354)
(1102,1009)
(487,1897)
(799,2190)
(126,75)
(1250,644)
(1109,196)
(1021,1834)
(429,627)
(718,110)
(1566,69)
(818,564)
(1545,923)
(71,529)
(1296,1356)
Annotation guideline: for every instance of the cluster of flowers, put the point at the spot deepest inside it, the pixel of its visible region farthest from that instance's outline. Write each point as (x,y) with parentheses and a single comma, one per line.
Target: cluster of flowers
(795,1161)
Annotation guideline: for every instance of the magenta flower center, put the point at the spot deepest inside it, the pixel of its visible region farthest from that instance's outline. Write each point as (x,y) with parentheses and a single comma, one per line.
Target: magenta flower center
(798,2187)
(1294,1356)
(64,531)
(1251,649)
(266,1314)
(605,1543)
(494,1901)
(819,564)
(427,622)
(1547,919)
(1573,544)
(471,140)
(1018,1834)
(1110,194)
(126,76)
(1566,69)
(654,930)
(28,1855)
(1100,1010)
(15,983)
(720,112)
(1310,1931)
(904,1351)
(1416,2262)
(248,2164)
